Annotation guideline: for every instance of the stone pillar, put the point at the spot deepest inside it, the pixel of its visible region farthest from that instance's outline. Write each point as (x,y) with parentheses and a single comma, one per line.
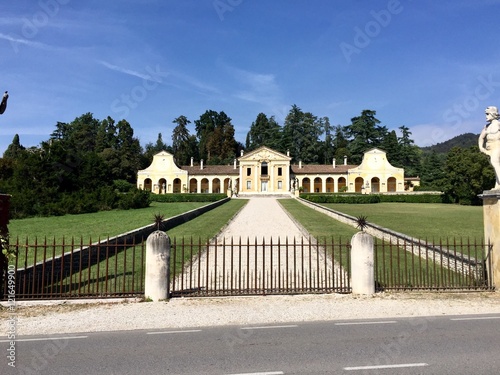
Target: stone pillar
(157,283)
(362,264)
(491,217)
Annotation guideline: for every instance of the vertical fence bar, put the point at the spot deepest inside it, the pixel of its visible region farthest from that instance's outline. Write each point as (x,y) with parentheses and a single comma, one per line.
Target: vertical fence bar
(132,288)
(271,264)
(223,265)
(43,265)
(173,267)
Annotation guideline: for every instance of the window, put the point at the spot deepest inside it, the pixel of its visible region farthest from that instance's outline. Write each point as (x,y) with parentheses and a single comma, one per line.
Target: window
(249,171)
(280,184)
(280,171)
(263,169)
(249,185)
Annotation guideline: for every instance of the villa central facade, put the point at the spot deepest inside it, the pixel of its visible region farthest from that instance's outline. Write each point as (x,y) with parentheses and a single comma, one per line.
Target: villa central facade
(265,171)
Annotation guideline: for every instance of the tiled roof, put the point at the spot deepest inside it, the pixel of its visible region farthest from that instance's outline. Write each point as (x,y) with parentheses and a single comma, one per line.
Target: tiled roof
(323,168)
(211,169)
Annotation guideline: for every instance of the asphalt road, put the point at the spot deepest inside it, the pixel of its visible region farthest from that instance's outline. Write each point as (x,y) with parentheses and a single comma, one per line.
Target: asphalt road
(433,345)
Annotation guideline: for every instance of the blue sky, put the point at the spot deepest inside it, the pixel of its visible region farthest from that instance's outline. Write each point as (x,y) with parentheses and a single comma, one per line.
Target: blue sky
(433,66)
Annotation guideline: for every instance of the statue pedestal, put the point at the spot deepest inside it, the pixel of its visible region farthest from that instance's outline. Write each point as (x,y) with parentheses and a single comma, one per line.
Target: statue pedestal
(491,215)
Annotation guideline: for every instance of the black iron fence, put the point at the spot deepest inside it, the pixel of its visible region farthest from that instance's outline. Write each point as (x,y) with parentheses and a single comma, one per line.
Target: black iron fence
(73,269)
(422,265)
(237,267)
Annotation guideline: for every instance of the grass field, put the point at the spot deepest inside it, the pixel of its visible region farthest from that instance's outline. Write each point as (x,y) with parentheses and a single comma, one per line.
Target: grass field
(422,220)
(396,267)
(124,271)
(100,224)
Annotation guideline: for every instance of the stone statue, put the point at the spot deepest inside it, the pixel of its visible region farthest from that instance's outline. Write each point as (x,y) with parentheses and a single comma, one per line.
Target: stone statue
(3,105)
(489,141)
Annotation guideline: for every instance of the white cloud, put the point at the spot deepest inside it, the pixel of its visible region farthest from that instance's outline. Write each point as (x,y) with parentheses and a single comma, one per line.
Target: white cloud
(14,40)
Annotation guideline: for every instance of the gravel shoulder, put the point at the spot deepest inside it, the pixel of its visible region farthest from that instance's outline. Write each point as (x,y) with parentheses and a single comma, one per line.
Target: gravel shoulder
(101,316)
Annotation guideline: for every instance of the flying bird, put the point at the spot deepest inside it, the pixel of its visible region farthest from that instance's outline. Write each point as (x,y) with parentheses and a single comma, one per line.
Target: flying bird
(3,105)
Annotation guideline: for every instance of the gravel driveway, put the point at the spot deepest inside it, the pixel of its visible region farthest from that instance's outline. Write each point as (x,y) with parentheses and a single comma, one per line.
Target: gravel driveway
(272,254)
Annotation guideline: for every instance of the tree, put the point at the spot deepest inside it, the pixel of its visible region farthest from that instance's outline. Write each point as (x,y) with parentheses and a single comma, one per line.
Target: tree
(467,174)
(409,153)
(340,144)
(392,147)
(264,132)
(14,149)
(328,143)
(215,134)
(363,134)
(181,144)
(301,133)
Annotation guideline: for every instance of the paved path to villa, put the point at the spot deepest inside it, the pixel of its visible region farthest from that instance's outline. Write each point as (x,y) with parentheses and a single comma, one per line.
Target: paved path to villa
(270,256)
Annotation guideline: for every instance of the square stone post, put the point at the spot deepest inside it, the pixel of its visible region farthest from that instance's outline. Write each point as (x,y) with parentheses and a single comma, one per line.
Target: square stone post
(157,281)
(362,264)
(491,217)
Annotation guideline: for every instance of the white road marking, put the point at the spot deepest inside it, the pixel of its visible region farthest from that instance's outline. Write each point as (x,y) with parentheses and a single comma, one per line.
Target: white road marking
(361,323)
(270,327)
(167,332)
(385,366)
(47,339)
(478,318)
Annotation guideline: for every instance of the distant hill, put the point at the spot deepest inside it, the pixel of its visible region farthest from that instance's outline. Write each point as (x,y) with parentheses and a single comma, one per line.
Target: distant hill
(464,140)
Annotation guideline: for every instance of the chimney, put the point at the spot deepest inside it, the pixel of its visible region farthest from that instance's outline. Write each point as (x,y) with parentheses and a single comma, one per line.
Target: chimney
(241,153)
(192,161)
(287,152)
(300,164)
(345,159)
(201,164)
(333,163)
(234,163)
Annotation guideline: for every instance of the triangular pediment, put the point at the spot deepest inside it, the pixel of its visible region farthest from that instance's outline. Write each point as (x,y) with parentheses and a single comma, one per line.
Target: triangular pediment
(264,154)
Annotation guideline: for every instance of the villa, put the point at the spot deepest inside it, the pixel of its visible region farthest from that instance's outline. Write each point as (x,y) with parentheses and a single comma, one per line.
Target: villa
(266,171)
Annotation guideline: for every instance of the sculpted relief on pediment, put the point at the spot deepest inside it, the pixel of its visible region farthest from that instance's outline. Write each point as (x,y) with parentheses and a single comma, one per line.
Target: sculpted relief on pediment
(265,155)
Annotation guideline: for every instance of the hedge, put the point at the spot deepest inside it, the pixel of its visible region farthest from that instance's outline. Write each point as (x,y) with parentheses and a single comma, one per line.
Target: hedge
(413,198)
(173,198)
(341,198)
(374,198)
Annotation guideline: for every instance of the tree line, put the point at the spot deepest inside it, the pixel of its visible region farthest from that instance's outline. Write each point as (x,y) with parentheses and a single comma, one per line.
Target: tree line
(90,164)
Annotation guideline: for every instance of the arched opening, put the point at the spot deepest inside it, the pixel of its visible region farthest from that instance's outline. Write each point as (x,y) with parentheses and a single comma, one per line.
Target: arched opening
(342,184)
(204,185)
(306,185)
(177,185)
(317,185)
(330,186)
(216,185)
(391,184)
(358,184)
(375,182)
(226,184)
(162,186)
(148,184)
(193,185)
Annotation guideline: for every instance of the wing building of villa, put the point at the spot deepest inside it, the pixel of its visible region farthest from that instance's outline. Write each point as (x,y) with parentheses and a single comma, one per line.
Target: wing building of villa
(266,171)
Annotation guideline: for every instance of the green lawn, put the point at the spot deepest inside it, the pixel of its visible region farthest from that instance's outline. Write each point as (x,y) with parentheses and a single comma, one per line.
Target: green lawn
(395,267)
(421,220)
(125,270)
(100,224)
